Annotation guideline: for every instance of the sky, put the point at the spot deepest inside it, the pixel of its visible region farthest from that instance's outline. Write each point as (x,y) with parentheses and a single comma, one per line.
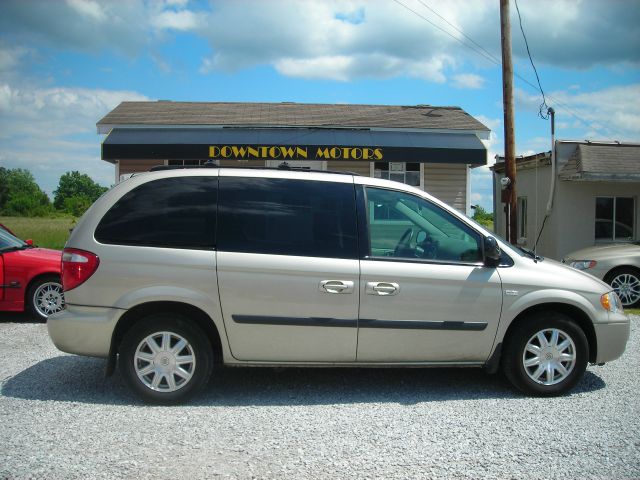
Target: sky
(64,64)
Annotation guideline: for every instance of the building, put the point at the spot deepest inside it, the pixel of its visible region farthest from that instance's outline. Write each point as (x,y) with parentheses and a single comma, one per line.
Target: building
(595,200)
(429,147)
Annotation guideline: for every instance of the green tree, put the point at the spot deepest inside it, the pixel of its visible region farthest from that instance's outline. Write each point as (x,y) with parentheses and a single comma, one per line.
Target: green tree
(20,195)
(483,217)
(76,192)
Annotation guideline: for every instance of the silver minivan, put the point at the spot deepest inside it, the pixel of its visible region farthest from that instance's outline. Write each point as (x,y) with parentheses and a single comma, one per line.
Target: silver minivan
(174,272)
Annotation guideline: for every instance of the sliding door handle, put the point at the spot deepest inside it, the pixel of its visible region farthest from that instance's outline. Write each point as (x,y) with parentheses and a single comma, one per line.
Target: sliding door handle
(382,288)
(336,286)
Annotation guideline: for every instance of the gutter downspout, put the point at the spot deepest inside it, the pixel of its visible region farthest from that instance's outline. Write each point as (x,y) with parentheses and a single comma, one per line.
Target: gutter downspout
(552,189)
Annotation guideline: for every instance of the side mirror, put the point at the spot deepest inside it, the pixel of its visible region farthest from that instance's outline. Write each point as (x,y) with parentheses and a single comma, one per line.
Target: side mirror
(29,242)
(492,252)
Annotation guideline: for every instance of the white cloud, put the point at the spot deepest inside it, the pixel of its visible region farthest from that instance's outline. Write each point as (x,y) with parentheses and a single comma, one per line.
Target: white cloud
(52,130)
(11,57)
(611,113)
(300,38)
(183,20)
(468,80)
(88,9)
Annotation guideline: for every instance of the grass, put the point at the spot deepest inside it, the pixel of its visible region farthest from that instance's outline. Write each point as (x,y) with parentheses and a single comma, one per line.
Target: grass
(45,232)
(632,311)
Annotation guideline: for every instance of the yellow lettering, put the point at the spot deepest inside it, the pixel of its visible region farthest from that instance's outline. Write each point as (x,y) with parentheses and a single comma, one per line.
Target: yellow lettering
(263,152)
(322,153)
(377,153)
(274,152)
(287,152)
(239,152)
(356,153)
(335,152)
(253,152)
(214,152)
(302,152)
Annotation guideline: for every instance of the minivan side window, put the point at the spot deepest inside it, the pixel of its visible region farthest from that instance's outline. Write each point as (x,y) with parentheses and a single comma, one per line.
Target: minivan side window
(420,230)
(287,217)
(172,213)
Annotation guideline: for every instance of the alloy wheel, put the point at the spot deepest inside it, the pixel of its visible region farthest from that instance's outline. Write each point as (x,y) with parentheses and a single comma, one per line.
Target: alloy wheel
(164,361)
(549,356)
(48,299)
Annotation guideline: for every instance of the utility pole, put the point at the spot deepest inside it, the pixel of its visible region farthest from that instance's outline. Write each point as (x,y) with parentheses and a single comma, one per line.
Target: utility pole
(509,194)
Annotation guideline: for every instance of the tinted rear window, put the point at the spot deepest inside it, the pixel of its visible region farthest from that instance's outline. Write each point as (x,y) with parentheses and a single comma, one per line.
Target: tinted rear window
(173,212)
(287,217)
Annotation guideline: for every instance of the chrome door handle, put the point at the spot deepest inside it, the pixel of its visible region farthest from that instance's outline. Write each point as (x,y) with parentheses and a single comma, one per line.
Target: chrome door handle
(336,286)
(382,288)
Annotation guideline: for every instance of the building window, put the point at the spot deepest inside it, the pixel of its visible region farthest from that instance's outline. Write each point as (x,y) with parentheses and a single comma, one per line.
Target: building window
(614,218)
(402,172)
(182,163)
(522,220)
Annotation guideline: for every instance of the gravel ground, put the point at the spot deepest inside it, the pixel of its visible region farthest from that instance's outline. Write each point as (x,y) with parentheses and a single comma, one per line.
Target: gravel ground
(60,418)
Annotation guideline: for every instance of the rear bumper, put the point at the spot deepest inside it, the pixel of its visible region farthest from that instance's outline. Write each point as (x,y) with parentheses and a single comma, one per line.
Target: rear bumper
(612,339)
(84,330)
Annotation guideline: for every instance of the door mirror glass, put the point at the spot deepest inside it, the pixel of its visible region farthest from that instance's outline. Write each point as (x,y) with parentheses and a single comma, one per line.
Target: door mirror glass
(492,252)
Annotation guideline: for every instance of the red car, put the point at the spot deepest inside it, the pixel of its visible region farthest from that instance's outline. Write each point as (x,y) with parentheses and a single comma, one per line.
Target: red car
(29,277)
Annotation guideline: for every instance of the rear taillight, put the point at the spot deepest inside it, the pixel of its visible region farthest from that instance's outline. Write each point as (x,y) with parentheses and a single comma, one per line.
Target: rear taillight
(77,267)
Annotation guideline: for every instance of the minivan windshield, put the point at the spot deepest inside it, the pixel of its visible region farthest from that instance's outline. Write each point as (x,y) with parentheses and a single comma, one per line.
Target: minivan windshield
(9,243)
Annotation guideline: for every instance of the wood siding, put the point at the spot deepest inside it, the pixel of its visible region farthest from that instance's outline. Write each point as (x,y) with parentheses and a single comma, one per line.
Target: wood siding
(447,182)
(361,168)
(137,166)
(241,163)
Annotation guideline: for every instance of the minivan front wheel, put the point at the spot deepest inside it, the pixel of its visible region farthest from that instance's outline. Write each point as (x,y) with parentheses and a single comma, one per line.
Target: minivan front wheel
(165,358)
(546,354)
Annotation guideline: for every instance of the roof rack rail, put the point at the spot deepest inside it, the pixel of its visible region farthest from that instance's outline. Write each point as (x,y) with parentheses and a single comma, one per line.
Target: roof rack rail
(282,166)
(208,164)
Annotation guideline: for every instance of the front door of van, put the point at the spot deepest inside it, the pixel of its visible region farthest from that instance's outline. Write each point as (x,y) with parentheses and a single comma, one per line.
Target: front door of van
(288,267)
(425,294)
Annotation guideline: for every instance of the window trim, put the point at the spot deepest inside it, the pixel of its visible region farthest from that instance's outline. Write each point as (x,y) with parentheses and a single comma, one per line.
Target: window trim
(372,172)
(364,239)
(613,239)
(522,220)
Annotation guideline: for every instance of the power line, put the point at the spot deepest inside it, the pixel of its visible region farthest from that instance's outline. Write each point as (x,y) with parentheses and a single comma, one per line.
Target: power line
(542,111)
(484,53)
(479,52)
(495,59)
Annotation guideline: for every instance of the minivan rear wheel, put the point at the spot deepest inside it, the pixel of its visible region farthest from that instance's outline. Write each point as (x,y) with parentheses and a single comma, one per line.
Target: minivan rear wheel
(165,358)
(546,354)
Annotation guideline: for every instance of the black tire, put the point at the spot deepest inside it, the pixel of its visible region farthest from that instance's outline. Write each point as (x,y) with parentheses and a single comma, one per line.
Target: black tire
(513,359)
(44,297)
(136,342)
(626,282)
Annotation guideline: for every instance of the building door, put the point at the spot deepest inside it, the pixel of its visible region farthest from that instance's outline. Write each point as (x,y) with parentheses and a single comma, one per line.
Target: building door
(425,294)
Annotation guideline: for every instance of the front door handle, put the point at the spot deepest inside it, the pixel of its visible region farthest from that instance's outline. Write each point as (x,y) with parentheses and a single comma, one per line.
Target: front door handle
(336,286)
(382,288)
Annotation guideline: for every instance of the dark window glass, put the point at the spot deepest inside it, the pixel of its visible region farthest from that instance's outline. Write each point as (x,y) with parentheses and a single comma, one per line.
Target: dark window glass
(614,218)
(287,217)
(624,218)
(422,230)
(173,212)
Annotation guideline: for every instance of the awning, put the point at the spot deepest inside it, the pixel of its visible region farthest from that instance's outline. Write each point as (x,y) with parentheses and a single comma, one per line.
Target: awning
(292,144)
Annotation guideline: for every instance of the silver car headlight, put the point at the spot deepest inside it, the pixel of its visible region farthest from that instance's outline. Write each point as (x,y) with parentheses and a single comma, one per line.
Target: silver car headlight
(611,302)
(583,264)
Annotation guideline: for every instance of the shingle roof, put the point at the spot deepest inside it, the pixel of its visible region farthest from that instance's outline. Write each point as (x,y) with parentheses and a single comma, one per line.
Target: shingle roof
(603,161)
(291,114)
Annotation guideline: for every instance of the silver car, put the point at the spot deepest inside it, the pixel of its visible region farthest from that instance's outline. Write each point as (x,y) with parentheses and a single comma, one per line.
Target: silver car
(616,264)
(173,272)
